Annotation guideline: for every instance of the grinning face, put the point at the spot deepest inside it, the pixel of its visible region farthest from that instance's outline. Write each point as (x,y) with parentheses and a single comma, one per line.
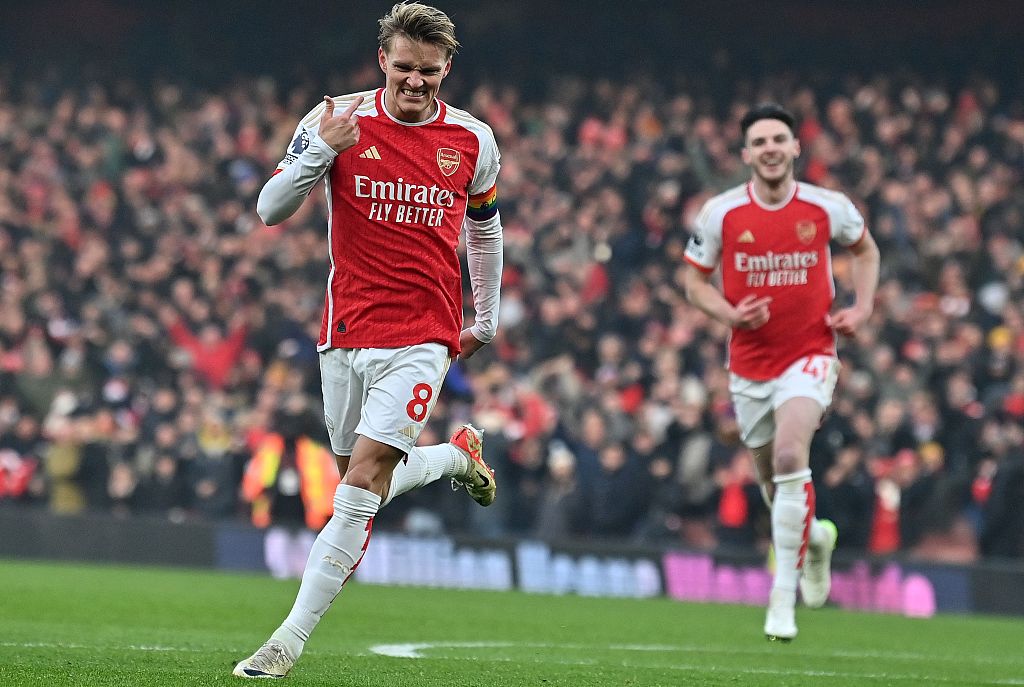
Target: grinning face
(413,71)
(770,150)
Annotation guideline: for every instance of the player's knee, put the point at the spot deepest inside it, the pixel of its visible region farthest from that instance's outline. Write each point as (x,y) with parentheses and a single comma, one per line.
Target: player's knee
(370,475)
(358,478)
(789,459)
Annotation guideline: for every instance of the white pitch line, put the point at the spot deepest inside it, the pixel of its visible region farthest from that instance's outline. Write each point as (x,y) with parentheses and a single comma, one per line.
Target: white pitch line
(104,647)
(416,649)
(819,673)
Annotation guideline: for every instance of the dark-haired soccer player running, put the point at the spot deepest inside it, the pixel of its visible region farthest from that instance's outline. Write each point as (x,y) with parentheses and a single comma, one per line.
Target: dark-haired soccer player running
(771,238)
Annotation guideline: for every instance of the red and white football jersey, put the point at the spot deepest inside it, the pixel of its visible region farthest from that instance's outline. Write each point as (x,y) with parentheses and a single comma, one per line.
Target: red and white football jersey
(396,204)
(780,251)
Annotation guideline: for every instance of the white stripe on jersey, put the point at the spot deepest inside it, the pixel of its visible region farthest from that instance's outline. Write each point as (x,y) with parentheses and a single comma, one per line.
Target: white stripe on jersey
(330,272)
(821,196)
(845,222)
(487,166)
(717,207)
(706,248)
(341,102)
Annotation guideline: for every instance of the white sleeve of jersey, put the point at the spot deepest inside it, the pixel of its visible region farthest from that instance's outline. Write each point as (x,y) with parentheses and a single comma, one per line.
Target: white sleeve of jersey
(847,222)
(485,245)
(705,245)
(487,165)
(485,258)
(305,162)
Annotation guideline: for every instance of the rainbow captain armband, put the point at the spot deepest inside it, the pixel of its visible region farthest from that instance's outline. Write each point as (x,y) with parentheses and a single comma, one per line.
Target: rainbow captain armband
(483,206)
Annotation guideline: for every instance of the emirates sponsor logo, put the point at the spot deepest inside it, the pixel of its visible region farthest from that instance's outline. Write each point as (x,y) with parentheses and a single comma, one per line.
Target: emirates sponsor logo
(402,191)
(745,262)
(775,269)
(448,160)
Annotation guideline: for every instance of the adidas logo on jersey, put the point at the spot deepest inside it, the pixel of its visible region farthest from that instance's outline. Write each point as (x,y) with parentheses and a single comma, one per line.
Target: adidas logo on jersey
(746,237)
(370,153)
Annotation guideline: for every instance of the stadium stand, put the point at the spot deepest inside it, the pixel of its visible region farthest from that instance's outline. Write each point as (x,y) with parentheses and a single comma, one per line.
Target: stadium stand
(151,327)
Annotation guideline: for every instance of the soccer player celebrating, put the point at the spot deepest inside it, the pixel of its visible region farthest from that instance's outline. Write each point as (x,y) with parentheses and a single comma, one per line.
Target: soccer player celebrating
(404,173)
(771,237)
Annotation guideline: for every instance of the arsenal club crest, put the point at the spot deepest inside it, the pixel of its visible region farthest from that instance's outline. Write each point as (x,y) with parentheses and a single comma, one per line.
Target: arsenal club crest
(448,160)
(806,230)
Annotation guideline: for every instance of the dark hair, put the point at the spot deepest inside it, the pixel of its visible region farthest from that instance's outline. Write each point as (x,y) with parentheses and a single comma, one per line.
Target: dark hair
(767,111)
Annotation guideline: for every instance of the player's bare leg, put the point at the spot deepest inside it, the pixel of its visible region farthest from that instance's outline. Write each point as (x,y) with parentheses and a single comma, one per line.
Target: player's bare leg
(792,510)
(342,462)
(336,552)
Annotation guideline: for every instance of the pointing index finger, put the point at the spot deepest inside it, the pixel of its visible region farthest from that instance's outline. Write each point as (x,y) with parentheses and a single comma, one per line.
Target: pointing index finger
(356,102)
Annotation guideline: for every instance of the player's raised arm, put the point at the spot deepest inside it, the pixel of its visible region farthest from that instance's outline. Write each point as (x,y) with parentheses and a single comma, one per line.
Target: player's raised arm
(309,157)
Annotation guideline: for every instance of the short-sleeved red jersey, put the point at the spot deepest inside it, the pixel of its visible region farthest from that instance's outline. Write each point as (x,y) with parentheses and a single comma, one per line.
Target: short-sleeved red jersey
(780,251)
(396,204)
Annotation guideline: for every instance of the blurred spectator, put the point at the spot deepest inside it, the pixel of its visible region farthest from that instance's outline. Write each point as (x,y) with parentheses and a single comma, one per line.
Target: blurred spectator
(662,522)
(165,491)
(617,497)
(20,449)
(560,513)
(845,496)
(290,482)
(211,353)
(739,503)
(1002,533)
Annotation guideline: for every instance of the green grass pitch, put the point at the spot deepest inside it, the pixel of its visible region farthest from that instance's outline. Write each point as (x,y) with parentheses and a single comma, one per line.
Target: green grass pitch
(66,624)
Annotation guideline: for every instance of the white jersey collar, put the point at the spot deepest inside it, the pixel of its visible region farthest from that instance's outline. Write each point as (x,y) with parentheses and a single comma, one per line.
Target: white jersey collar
(432,118)
(771,206)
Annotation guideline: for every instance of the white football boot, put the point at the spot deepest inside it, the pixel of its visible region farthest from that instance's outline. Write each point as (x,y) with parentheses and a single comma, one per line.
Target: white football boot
(270,661)
(816,579)
(780,621)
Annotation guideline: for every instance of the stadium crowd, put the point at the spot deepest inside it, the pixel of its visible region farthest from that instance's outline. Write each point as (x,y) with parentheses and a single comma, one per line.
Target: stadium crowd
(153,330)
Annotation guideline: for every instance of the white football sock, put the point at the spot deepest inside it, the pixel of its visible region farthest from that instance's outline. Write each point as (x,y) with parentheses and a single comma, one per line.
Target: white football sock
(335,554)
(819,535)
(792,513)
(425,464)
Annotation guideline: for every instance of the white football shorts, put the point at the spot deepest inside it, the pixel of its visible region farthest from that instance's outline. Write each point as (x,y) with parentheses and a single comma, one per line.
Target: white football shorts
(755,402)
(385,394)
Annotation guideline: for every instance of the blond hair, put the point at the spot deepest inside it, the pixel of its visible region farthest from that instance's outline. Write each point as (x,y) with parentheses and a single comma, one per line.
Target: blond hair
(418,22)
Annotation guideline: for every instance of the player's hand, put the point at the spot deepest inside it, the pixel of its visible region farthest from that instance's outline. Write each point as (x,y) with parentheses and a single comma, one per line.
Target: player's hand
(469,343)
(751,312)
(341,132)
(848,320)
